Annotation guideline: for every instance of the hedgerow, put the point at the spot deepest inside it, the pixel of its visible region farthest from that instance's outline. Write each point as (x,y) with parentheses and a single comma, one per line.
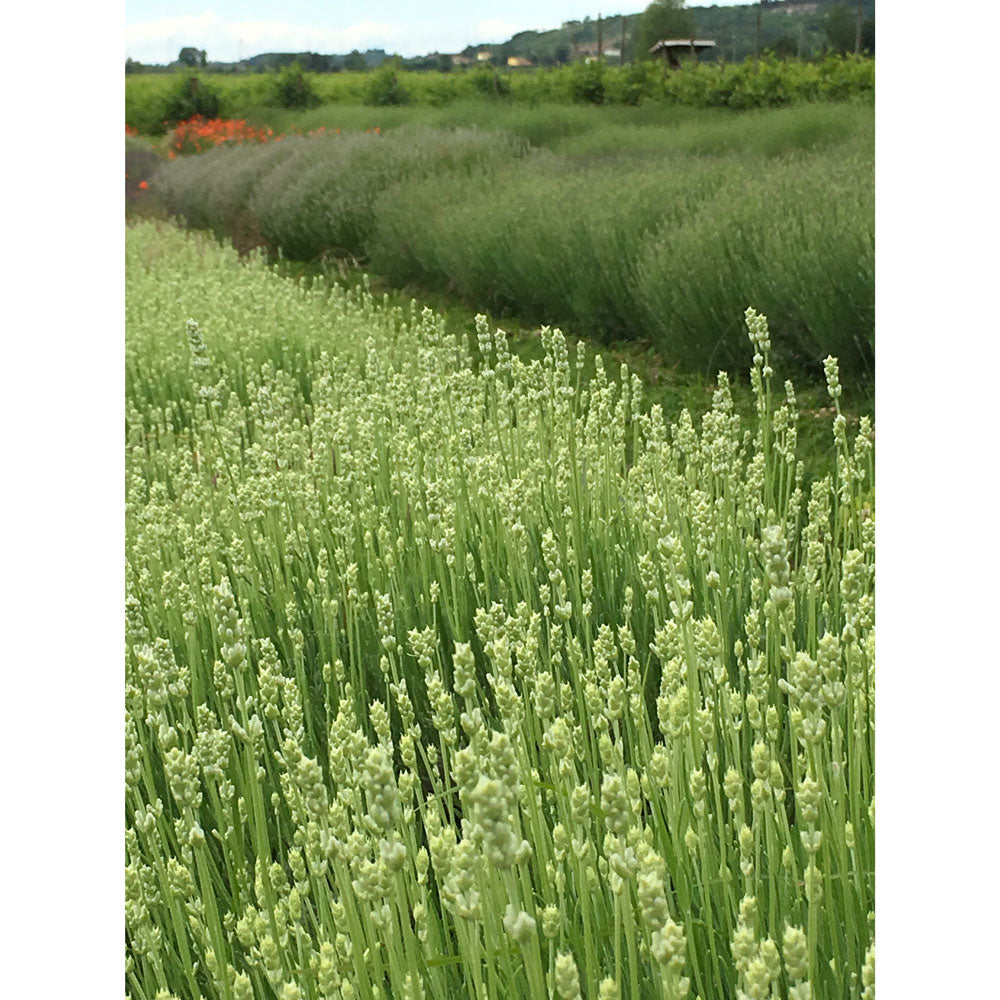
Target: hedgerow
(768,82)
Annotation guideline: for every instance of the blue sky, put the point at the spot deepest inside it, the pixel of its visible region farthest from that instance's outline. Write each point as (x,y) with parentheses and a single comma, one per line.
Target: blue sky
(155,30)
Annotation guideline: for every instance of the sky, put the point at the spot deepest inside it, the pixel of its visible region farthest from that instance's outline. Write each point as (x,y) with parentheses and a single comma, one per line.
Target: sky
(156,30)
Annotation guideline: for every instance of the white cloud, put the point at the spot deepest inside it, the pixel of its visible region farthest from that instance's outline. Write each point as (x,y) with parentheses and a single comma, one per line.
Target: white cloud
(160,41)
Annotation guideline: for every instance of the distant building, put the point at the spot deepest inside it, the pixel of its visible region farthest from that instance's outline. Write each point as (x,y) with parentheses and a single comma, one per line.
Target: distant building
(461,60)
(589,51)
(519,62)
(484,56)
(673,48)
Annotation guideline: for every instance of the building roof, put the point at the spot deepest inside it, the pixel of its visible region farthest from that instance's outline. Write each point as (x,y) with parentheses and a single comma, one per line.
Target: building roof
(683,43)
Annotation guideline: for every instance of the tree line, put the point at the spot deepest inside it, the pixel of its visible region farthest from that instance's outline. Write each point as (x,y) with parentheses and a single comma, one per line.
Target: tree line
(765,28)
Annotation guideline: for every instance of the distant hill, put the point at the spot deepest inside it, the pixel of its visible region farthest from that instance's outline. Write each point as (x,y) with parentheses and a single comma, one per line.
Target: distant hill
(312,61)
(796,24)
(792,27)
(269,62)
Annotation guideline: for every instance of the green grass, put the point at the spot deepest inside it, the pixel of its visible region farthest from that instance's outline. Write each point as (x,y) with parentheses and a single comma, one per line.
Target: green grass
(543,125)
(587,131)
(769,133)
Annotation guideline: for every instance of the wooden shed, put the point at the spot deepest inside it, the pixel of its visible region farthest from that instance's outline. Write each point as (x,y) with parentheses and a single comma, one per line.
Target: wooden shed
(674,48)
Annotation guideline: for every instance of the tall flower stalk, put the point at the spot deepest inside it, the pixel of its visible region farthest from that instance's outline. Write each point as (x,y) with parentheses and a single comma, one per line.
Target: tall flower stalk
(448,679)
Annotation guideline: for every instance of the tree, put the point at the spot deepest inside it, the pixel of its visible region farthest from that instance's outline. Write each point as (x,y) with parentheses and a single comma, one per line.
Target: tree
(313,62)
(662,19)
(785,47)
(192,57)
(355,61)
(840,28)
(868,37)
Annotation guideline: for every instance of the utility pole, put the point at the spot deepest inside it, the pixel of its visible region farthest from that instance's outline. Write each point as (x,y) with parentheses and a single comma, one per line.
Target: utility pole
(756,44)
(600,36)
(621,57)
(857,33)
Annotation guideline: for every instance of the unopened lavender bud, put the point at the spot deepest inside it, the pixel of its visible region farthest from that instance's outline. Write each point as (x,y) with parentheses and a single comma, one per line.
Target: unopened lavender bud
(519,925)
(796,953)
(550,921)
(567,977)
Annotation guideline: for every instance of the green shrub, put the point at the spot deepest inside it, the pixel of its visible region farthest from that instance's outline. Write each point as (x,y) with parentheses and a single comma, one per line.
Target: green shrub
(797,238)
(743,85)
(137,144)
(322,199)
(192,96)
(655,222)
(145,98)
(141,163)
(586,82)
(567,239)
(635,83)
(293,89)
(439,89)
(213,190)
(662,249)
(385,89)
(488,82)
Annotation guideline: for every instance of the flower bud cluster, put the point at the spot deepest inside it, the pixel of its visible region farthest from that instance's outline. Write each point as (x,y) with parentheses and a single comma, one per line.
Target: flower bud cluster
(445,679)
